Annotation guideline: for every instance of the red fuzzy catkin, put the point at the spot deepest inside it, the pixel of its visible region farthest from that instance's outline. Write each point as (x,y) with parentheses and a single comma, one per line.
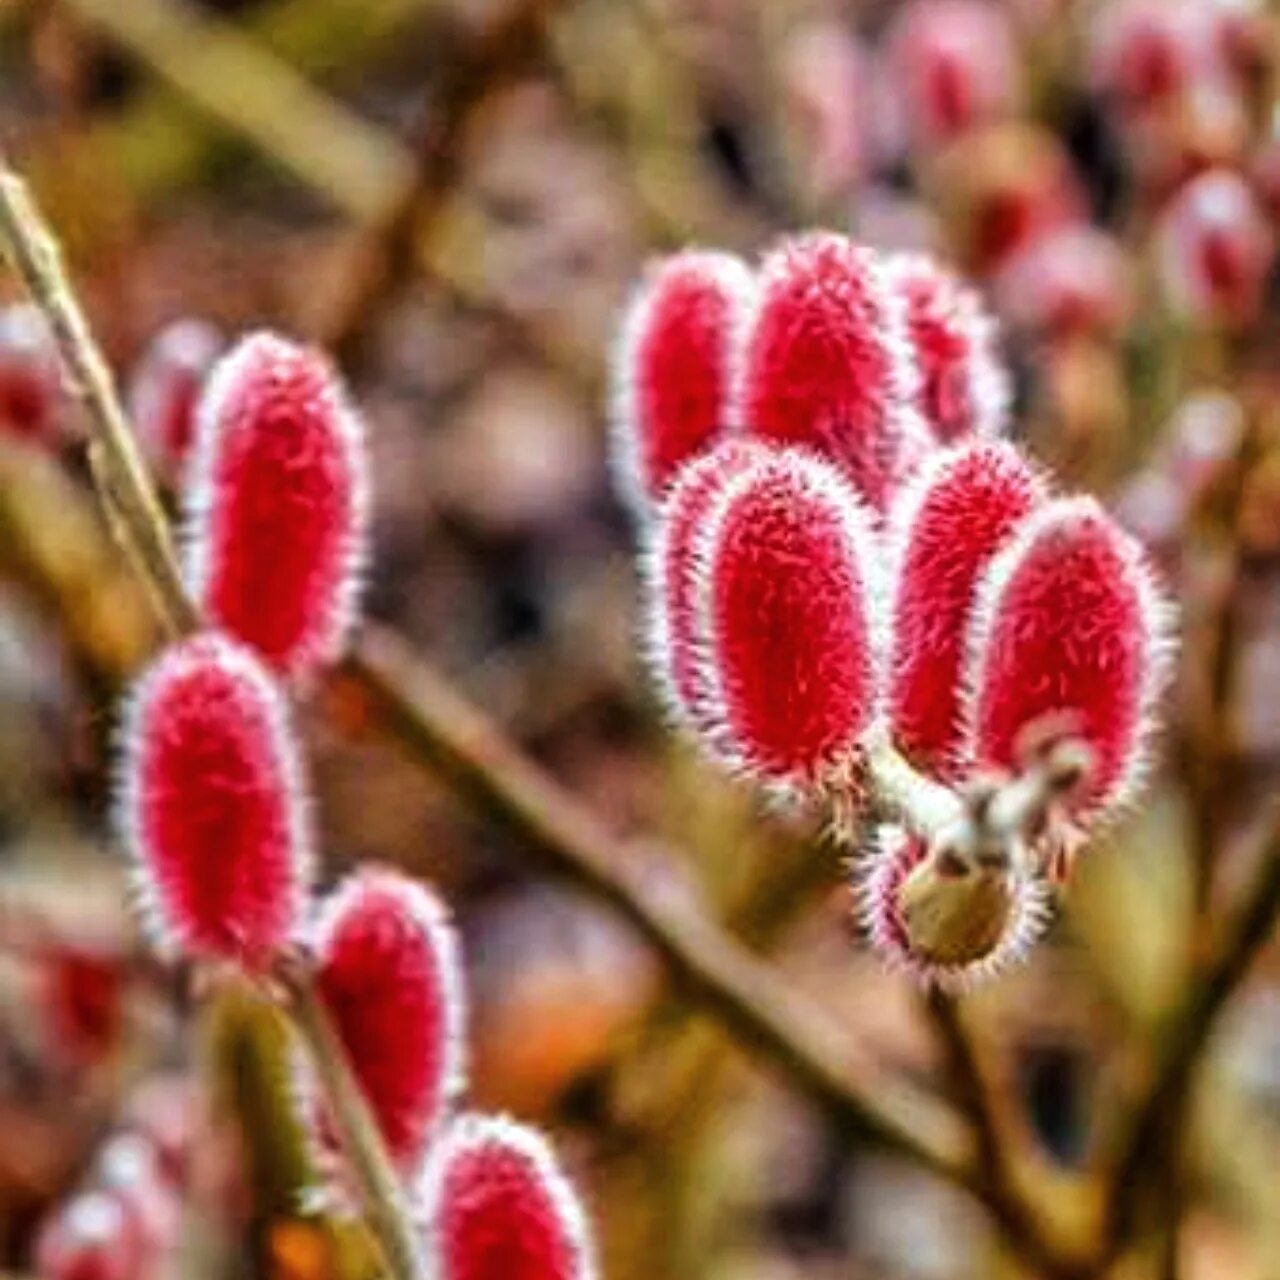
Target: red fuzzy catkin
(1069,622)
(387,970)
(673,369)
(497,1207)
(673,642)
(212,805)
(788,591)
(828,366)
(878,880)
(276,498)
(944,530)
(963,386)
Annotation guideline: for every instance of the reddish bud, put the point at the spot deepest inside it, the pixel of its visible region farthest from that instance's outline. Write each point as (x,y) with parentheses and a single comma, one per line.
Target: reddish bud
(954,67)
(497,1207)
(946,528)
(963,387)
(211,804)
(82,999)
(1069,622)
(1072,280)
(30,376)
(276,503)
(828,363)
(998,928)
(1004,189)
(388,972)
(92,1237)
(1144,54)
(1216,249)
(674,642)
(165,389)
(823,70)
(788,585)
(673,368)
(1242,37)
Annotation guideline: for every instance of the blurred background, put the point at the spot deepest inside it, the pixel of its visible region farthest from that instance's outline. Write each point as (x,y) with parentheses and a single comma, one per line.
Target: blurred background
(454,196)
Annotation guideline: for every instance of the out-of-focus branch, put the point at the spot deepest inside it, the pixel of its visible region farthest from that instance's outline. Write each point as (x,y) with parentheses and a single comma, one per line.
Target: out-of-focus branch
(971,1084)
(1000,1153)
(117,465)
(233,79)
(378,183)
(158,143)
(1157,1117)
(478,64)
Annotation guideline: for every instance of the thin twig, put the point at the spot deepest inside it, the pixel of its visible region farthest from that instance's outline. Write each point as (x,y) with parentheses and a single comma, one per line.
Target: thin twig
(470,73)
(126,487)
(357,166)
(362,1144)
(969,1080)
(138,519)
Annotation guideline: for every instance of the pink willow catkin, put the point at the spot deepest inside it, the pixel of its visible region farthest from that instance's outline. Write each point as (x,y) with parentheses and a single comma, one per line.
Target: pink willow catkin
(859,564)
(212,805)
(499,1208)
(388,971)
(276,504)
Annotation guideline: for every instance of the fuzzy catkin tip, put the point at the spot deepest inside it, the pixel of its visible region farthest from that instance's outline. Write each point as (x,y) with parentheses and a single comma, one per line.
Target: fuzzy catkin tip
(945,528)
(497,1207)
(789,601)
(276,499)
(212,805)
(673,369)
(1069,622)
(827,364)
(388,972)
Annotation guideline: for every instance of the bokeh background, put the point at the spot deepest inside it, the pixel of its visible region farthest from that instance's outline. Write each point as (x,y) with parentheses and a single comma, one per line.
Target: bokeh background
(454,196)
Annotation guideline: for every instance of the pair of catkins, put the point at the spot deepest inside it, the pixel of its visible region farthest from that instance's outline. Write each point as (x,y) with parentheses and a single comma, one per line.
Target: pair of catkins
(213,805)
(859,596)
